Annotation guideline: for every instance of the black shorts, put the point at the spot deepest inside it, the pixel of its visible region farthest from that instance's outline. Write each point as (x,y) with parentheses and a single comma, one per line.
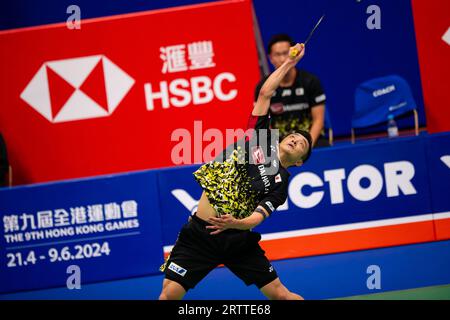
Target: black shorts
(196,253)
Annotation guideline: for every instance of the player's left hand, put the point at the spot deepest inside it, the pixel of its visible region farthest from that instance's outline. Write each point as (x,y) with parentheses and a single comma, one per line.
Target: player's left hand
(219,224)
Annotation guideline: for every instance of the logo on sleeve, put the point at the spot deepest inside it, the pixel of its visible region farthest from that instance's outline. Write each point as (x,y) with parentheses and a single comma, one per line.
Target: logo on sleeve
(320,98)
(177,269)
(258,155)
(278,178)
(270,205)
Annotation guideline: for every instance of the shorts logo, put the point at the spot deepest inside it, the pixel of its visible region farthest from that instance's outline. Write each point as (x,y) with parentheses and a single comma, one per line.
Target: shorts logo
(177,269)
(278,178)
(270,205)
(258,155)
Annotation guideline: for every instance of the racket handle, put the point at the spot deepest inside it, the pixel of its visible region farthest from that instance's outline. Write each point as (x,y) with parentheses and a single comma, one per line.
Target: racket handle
(294,53)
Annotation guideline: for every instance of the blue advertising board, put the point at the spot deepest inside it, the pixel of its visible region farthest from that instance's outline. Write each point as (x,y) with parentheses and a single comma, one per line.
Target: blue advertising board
(178,194)
(339,185)
(438,152)
(373,181)
(105,228)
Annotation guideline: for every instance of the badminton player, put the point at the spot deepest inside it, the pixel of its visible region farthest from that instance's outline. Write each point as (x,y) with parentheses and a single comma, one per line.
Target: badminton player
(237,196)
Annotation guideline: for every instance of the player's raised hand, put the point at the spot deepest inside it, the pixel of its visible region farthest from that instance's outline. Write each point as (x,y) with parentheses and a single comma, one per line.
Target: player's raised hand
(296,53)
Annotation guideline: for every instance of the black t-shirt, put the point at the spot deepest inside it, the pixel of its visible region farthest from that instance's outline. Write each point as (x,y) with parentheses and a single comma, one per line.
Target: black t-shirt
(247,174)
(290,107)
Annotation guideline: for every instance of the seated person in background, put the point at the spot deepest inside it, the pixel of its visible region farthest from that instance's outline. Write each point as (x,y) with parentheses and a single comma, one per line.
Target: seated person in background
(299,101)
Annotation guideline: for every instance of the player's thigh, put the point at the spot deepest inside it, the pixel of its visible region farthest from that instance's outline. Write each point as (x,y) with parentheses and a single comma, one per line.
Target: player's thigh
(252,267)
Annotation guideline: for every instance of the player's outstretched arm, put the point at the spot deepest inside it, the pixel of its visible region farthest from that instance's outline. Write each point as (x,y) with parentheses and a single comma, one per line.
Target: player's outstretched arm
(273,81)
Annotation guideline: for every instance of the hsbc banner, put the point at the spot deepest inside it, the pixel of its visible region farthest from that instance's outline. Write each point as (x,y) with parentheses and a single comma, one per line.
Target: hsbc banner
(77,232)
(110,96)
(338,186)
(432,28)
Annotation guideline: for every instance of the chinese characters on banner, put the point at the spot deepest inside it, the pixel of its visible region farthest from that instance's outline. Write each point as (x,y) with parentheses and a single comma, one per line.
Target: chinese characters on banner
(26,227)
(200,55)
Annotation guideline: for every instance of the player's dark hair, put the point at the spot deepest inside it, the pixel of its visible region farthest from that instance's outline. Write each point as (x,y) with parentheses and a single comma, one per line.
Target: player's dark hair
(282,37)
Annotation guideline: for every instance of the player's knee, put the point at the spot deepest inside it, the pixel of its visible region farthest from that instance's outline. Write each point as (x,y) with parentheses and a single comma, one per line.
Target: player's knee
(167,294)
(171,291)
(163,296)
(281,294)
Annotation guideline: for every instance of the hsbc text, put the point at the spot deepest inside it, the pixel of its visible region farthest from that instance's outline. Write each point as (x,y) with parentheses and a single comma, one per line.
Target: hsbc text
(196,90)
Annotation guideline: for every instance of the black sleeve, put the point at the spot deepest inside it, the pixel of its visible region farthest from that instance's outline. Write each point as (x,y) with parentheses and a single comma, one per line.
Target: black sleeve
(274,199)
(258,88)
(315,93)
(258,122)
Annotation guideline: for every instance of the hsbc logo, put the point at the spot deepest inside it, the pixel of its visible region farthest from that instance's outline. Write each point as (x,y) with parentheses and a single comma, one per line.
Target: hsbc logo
(446,37)
(77,89)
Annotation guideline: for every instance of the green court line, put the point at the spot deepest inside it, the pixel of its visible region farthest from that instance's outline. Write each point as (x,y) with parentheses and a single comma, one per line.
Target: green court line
(426,293)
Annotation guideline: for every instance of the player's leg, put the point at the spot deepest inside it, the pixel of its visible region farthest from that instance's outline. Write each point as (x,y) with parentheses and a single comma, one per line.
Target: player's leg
(275,290)
(171,290)
(191,259)
(251,265)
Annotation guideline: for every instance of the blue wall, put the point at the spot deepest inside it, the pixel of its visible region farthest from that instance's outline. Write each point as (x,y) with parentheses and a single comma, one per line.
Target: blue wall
(342,52)
(25,13)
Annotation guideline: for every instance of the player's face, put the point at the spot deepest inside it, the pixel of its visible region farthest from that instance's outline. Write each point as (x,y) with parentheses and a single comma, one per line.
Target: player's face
(279,53)
(295,145)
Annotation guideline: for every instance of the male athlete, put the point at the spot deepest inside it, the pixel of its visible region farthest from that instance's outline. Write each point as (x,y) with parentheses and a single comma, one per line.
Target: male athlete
(239,193)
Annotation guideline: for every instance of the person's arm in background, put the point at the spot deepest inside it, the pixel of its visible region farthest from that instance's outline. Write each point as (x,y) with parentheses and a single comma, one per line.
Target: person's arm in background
(262,104)
(317,101)
(318,118)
